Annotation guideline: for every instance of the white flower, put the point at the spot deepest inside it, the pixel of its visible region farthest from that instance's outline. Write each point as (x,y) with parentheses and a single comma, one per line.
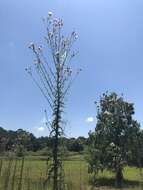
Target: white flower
(76,36)
(112,144)
(50,13)
(40,48)
(107,113)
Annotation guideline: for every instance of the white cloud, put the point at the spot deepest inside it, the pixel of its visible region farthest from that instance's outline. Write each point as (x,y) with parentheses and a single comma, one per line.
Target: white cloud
(41,129)
(89,119)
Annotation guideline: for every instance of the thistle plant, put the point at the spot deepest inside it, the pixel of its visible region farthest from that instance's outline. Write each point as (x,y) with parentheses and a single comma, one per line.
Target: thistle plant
(54,81)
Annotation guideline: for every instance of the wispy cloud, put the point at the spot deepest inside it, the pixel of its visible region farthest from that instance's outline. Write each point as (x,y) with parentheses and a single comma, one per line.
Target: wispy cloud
(90,120)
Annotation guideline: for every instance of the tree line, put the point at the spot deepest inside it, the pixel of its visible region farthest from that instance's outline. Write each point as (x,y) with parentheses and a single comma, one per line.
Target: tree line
(21,140)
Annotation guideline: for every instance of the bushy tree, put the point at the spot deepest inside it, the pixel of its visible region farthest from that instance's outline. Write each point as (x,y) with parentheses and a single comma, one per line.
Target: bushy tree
(114,144)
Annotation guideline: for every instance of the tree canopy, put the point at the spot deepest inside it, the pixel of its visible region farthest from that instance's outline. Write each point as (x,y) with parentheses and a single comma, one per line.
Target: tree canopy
(115,141)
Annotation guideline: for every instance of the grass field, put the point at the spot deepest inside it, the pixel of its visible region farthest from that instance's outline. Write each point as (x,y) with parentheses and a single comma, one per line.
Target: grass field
(76,176)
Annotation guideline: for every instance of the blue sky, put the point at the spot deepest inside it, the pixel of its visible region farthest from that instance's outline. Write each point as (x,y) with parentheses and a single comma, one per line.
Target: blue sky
(110,48)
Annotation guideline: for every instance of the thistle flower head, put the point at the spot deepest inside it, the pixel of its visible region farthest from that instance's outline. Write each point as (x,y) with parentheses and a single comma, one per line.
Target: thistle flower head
(74,35)
(31,45)
(50,14)
(40,48)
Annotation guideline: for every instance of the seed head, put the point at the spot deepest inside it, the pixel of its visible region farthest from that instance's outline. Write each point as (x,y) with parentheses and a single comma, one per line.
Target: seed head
(50,14)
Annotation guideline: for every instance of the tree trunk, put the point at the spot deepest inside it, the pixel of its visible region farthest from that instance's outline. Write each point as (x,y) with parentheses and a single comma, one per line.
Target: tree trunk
(119,178)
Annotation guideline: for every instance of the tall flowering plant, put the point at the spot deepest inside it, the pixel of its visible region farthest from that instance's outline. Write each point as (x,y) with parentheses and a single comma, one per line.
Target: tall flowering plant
(54,81)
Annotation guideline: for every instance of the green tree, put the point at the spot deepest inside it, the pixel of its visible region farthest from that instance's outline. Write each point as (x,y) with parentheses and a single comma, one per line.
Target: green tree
(115,140)
(75,145)
(21,142)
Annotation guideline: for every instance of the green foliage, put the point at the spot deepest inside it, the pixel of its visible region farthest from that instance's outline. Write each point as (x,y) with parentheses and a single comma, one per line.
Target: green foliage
(76,145)
(20,151)
(22,142)
(114,143)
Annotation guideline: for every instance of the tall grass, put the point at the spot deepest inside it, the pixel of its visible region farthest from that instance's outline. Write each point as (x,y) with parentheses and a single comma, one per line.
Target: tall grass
(14,176)
(21,174)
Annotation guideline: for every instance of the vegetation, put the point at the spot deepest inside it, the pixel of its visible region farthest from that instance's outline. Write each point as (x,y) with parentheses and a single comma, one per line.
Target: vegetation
(32,174)
(113,151)
(112,155)
(22,142)
(55,80)
(117,137)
